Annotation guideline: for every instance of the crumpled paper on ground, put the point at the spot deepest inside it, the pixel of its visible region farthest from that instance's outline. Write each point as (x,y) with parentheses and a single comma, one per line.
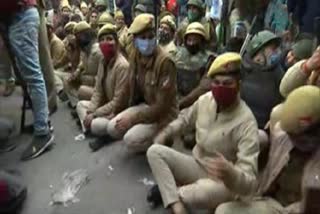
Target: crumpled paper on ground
(80,137)
(72,183)
(147,182)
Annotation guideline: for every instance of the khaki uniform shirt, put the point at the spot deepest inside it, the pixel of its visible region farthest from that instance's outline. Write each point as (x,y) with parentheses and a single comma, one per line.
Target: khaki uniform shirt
(153,82)
(111,88)
(233,133)
(57,49)
(169,48)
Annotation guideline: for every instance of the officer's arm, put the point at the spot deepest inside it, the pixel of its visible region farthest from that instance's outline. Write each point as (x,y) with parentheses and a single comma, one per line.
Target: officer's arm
(119,101)
(97,96)
(165,97)
(246,167)
(294,78)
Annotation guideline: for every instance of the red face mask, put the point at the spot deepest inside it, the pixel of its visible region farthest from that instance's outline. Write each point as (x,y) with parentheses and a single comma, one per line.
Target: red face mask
(107,49)
(224,96)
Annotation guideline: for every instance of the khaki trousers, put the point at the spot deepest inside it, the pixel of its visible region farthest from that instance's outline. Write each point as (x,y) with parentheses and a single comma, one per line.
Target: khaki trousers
(59,77)
(137,138)
(258,206)
(196,190)
(76,93)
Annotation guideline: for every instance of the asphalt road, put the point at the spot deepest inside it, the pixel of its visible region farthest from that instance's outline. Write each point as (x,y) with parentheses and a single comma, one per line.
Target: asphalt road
(108,191)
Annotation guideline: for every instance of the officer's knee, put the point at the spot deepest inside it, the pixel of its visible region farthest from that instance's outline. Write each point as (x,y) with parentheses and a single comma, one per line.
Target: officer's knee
(85,93)
(224,209)
(112,130)
(154,151)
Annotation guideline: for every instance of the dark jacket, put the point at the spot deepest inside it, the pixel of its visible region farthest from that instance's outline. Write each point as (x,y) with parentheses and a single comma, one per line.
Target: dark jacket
(260,88)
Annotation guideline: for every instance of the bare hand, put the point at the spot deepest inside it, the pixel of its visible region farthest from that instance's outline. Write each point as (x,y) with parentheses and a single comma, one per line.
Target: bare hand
(161,138)
(88,120)
(219,168)
(123,124)
(313,64)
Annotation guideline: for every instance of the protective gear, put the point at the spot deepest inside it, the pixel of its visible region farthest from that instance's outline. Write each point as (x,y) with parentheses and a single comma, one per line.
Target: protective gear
(145,46)
(224,96)
(197,3)
(260,40)
(228,62)
(107,49)
(69,27)
(193,16)
(193,49)
(196,28)
(164,37)
(302,49)
(301,110)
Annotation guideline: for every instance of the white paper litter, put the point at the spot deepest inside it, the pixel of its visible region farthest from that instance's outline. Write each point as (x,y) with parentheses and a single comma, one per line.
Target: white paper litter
(71,184)
(131,210)
(80,137)
(110,168)
(147,182)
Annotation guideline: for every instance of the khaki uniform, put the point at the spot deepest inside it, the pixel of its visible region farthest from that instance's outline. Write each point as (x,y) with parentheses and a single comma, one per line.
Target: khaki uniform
(82,89)
(57,51)
(233,133)
(283,162)
(294,78)
(122,32)
(152,84)
(109,95)
(169,48)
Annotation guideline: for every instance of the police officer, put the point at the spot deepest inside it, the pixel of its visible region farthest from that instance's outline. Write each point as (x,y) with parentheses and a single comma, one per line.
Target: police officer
(191,60)
(152,84)
(227,146)
(81,82)
(111,89)
(293,161)
(262,73)
(196,13)
(166,32)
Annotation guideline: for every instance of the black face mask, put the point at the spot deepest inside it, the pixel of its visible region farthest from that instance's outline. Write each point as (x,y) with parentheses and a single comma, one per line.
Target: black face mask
(164,37)
(193,49)
(308,141)
(84,40)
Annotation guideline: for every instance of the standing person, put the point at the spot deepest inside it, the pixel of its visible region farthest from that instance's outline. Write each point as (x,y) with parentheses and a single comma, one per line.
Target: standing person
(84,9)
(152,84)
(23,35)
(111,89)
(224,162)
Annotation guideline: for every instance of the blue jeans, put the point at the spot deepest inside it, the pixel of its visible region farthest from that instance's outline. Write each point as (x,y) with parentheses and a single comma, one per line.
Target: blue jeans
(23,36)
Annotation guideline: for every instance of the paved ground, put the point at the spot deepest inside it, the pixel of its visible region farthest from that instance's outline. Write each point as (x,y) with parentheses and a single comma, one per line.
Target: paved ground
(106,193)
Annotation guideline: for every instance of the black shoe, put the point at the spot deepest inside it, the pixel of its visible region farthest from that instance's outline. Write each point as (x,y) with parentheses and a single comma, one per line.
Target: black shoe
(38,145)
(74,114)
(63,96)
(7,146)
(100,142)
(154,197)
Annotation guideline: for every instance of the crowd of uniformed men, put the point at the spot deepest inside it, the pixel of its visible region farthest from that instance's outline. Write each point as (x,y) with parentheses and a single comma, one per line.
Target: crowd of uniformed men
(245,101)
